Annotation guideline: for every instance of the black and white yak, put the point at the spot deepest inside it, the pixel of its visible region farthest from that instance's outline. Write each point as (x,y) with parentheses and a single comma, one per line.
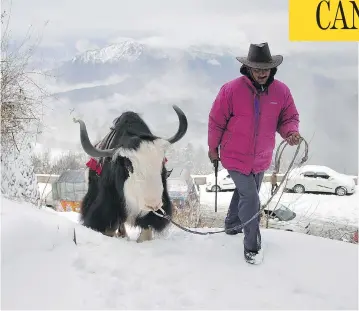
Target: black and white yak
(132,180)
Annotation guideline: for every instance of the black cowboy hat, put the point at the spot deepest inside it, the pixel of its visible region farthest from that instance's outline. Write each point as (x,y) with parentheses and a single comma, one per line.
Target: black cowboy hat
(259,57)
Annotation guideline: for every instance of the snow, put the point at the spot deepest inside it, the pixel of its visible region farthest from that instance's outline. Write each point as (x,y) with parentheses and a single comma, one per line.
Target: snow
(316,168)
(45,189)
(18,180)
(322,169)
(73,216)
(214,62)
(127,50)
(54,152)
(328,207)
(42,268)
(325,206)
(131,50)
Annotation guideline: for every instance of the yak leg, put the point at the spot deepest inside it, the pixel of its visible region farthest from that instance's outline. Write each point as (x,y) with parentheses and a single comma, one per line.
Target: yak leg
(122,233)
(145,235)
(110,232)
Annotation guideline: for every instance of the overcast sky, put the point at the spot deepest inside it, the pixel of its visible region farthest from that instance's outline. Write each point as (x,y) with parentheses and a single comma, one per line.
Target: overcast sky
(231,22)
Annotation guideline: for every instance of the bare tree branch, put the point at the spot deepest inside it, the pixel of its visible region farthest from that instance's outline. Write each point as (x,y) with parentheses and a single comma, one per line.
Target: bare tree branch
(21,95)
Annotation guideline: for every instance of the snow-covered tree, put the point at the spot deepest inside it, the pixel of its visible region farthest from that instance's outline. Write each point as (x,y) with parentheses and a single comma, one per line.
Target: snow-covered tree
(203,166)
(21,107)
(69,161)
(188,156)
(173,156)
(42,162)
(18,180)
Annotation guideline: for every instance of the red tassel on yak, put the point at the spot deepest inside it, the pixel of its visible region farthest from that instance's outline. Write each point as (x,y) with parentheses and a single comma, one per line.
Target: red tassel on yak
(93,165)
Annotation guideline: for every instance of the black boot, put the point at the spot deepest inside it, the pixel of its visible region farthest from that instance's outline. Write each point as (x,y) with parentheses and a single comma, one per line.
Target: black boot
(250,256)
(254,257)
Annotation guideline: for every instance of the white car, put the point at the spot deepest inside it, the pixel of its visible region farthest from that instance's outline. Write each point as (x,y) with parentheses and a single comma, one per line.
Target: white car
(282,218)
(224,182)
(314,178)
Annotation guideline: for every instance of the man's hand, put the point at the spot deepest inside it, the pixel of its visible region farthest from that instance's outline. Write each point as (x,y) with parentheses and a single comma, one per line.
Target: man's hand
(213,155)
(293,139)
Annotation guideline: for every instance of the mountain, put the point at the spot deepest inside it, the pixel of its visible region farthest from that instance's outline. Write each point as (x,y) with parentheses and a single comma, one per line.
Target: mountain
(138,60)
(100,84)
(132,75)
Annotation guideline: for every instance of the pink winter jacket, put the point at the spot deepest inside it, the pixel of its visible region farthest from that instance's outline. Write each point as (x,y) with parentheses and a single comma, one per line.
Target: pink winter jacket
(245,146)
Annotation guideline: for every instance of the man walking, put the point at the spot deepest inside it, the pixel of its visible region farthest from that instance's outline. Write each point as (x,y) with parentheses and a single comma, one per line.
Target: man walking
(243,122)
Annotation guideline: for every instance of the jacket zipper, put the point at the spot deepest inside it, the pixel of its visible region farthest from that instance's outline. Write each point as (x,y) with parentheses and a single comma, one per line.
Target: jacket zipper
(256,119)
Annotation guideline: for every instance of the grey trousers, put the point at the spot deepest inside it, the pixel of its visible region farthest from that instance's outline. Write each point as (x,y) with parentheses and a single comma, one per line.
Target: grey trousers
(244,204)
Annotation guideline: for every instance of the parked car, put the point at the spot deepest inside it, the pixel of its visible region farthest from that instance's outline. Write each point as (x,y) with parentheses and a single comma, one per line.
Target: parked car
(224,182)
(181,186)
(184,195)
(314,178)
(281,217)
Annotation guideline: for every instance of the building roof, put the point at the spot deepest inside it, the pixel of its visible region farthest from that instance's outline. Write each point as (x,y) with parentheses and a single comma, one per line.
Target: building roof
(72,176)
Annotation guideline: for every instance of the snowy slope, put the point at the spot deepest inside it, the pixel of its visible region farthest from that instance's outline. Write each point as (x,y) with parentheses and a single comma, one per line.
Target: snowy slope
(42,268)
(327,207)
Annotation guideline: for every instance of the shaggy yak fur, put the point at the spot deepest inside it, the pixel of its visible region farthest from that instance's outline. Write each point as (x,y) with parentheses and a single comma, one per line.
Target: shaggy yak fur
(118,195)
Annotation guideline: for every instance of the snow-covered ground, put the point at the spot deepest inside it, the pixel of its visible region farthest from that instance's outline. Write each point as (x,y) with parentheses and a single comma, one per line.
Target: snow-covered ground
(42,268)
(325,207)
(45,192)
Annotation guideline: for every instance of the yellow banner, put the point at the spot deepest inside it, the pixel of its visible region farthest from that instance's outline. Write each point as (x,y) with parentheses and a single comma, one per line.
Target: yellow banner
(323,20)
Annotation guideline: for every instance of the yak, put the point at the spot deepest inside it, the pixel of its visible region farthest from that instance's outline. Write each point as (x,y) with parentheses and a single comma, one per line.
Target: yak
(132,181)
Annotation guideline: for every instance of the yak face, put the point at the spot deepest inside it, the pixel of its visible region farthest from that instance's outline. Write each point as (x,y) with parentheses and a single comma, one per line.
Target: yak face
(143,187)
(140,153)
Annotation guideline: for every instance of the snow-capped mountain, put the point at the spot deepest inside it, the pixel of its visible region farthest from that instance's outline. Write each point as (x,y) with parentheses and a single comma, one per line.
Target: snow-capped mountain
(128,51)
(131,50)
(137,59)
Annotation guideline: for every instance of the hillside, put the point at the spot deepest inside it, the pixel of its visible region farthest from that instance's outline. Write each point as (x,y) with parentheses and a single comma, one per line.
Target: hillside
(42,268)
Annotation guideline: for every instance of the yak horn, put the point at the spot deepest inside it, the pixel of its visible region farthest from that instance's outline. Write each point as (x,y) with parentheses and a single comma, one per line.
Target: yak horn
(88,147)
(182,128)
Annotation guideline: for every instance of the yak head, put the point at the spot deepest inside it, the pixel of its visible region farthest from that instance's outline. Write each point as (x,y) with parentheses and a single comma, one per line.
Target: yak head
(137,155)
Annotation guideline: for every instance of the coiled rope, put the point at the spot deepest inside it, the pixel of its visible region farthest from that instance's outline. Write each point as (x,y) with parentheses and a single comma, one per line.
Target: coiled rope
(278,156)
